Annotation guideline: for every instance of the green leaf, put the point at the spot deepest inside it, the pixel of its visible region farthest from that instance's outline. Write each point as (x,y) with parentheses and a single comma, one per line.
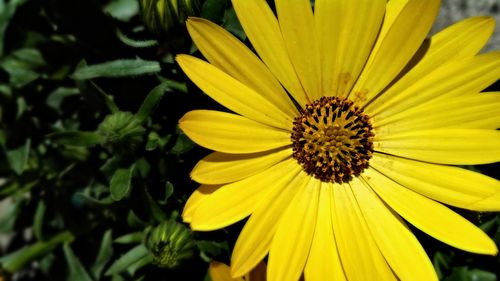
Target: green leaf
(154,209)
(15,261)
(108,99)
(481,275)
(76,270)
(104,255)
(209,249)
(76,138)
(18,158)
(38,220)
(131,238)
(7,10)
(441,263)
(153,141)
(22,66)
(135,43)
(213,10)
(21,107)
(56,98)
(117,68)
(120,182)
(129,258)
(8,216)
(139,264)
(151,101)
(232,24)
(182,145)
(122,9)
(133,221)
(169,190)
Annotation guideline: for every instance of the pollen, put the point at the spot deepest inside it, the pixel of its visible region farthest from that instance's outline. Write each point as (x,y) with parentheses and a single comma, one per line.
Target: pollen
(332,139)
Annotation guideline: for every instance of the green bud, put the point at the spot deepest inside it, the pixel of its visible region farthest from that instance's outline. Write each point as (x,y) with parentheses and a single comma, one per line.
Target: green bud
(121,129)
(163,16)
(169,243)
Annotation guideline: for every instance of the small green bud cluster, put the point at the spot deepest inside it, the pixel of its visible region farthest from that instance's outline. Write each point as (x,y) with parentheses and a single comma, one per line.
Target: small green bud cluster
(121,129)
(163,16)
(169,243)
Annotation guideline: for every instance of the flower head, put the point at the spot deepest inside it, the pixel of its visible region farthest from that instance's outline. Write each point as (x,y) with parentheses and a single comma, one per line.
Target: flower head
(345,127)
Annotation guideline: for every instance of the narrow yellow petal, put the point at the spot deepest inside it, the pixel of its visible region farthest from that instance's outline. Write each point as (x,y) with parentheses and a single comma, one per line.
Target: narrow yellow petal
(220,272)
(231,133)
(292,240)
(219,168)
(451,185)
(399,246)
(233,202)
(323,262)
(360,256)
(430,216)
(472,111)
(461,40)
(263,30)
(255,239)
(195,199)
(233,94)
(227,53)
(297,21)
(344,40)
(393,51)
(453,79)
(442,146)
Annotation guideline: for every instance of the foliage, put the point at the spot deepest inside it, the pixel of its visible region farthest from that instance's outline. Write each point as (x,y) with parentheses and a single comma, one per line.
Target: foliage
(94,171)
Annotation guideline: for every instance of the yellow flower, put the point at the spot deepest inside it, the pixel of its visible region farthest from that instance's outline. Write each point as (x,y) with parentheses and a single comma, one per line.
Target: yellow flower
(344,129)
(221,272)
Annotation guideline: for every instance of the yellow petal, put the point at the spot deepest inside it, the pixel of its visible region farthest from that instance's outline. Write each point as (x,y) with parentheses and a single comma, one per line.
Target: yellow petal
(255,239)
(399,246)
(195,199)
(430,216)
(297,21)
(459,77)
(443,146)
(360,256)
(393,51)
(474,111)
(233,94)
(323,262)
(451,185)
(461,40)
(219,168)
(220,272)
(233,202)
(293,237)
(344,40)
(231,133)
(263,30)
(227,53)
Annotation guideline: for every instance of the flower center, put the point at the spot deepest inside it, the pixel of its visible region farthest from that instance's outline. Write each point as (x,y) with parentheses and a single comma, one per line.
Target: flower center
(332,139)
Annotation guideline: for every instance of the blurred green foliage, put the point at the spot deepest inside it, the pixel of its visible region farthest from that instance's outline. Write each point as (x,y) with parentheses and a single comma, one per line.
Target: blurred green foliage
(94,171)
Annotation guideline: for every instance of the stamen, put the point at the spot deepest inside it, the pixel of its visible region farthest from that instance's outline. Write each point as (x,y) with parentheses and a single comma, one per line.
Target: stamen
(332,139)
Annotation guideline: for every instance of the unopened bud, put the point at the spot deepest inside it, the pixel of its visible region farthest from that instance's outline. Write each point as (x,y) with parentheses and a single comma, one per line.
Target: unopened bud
(169,243)
(163,16)
(121,129)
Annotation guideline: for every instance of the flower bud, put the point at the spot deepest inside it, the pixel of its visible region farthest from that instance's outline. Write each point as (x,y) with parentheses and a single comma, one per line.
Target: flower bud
(121,129)
(163,16)
(169,243)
